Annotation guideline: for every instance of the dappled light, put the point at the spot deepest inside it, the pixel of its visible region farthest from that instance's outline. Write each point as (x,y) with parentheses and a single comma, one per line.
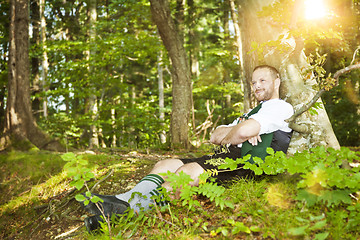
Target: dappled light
(277,195)
(111,110)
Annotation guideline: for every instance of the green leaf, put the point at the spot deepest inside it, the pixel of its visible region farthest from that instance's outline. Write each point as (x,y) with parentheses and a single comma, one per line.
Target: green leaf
(318,225)
(336,197)
(255,229)
(68,156)
(96,199)
(321,236)
(71,171)
(77,176)
(240,227)
(309,198)
(224,232)
(78,184)
(317,218)
(83,162)
(80,198)
(229,164)
(89,175)
(229,204)
(270,151)
(299,231)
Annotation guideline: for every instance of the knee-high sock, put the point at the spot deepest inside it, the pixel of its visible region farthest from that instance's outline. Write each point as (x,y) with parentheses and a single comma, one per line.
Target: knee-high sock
(140,197)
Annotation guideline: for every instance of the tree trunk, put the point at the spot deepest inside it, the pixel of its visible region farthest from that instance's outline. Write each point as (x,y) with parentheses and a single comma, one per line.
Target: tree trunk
(248,16)
(181,80)
(239,54)
(94,138)
(35,61)
(113,123)
(45,62)
(161,98)
(294,89)
(21,130)
(194,42)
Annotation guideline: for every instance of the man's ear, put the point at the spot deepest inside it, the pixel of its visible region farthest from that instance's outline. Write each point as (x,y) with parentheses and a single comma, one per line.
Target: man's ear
(277,83)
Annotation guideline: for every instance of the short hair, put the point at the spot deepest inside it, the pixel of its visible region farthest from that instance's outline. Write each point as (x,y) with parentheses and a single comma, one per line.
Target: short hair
(273,71)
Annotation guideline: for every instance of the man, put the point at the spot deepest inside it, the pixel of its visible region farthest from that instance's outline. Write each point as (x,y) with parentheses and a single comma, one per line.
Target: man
(261,128)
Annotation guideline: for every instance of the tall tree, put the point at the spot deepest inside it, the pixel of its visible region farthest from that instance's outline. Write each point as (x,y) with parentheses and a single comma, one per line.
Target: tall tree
(35,60)
(45,62)
(180,73)
(20,126)
(161,97)
(93,104)
(239,54)
(296,88)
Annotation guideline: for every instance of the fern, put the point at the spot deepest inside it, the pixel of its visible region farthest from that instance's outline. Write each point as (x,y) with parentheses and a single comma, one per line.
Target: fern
(207,188)
(322,178)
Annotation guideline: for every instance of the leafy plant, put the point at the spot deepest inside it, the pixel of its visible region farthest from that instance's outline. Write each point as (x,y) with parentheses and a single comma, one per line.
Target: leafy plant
(313,224)
(322,177)
(232,227)
(322,181)
(76,168)
(210,189)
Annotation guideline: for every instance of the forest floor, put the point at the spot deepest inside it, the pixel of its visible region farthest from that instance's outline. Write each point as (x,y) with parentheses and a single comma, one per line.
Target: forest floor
(51,212)
(36,201)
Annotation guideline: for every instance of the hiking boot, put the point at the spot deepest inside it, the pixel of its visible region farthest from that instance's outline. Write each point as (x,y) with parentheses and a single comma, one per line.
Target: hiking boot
(110,205)
(92,223)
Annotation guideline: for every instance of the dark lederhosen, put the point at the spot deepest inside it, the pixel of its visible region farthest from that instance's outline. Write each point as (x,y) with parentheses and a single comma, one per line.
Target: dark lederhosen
(278,140)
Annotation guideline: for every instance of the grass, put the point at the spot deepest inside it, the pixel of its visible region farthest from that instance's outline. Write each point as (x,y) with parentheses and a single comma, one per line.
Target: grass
(40,204)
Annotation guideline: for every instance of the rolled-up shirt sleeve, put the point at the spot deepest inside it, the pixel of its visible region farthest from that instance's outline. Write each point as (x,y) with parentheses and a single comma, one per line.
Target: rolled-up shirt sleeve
(272,116)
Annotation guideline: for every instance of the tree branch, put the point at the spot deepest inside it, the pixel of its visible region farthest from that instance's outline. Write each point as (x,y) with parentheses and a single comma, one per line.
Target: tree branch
(354,55)
(319,93)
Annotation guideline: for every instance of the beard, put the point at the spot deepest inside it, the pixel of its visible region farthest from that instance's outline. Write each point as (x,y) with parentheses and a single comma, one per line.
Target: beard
(263,95)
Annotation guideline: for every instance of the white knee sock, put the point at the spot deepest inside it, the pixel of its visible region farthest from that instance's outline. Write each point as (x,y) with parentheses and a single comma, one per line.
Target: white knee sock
(140,196)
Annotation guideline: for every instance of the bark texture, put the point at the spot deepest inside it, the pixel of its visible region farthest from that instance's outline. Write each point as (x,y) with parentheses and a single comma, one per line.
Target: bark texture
(180,73)
(296,88)
(21,130)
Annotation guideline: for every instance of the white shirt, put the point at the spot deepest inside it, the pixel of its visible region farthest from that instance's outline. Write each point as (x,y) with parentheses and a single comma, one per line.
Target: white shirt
(271,116)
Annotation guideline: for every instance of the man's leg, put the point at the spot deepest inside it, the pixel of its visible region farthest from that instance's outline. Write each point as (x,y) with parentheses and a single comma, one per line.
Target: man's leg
(140,196)
(151,183)
(137,198)
(164,166)
(194,170)
(146,187)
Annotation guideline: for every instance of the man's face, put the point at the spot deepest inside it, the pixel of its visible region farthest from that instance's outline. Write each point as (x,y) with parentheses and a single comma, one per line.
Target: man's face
(264,86)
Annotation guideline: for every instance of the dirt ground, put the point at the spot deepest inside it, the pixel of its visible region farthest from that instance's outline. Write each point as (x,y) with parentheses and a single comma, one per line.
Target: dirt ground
(62,217)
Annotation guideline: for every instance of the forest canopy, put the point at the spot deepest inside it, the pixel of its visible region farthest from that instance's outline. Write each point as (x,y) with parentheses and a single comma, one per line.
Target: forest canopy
(100,75)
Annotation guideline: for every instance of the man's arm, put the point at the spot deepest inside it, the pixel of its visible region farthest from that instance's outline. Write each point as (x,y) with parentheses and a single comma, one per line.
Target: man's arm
(236,134)
(219,134)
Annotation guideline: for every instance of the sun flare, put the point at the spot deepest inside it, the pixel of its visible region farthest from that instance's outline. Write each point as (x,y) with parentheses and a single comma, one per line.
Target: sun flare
(314,9)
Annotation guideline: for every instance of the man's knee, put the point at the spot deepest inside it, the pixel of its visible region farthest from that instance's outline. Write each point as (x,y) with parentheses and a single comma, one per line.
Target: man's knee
(166,165)
(193,170)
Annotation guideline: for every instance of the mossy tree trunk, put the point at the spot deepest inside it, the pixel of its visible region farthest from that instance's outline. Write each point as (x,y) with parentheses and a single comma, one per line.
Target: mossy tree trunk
(180,73)
(21,130)
(296,88)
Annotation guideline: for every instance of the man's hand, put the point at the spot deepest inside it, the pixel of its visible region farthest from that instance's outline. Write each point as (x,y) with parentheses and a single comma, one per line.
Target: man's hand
(219,134)
(255,140)
(243,131)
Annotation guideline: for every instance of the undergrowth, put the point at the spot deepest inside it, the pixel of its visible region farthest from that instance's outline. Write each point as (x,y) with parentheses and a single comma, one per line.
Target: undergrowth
(306,196)
(311,197)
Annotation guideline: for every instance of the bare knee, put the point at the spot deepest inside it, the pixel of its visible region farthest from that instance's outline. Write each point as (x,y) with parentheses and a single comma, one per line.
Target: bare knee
(166,165)
(193,170)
